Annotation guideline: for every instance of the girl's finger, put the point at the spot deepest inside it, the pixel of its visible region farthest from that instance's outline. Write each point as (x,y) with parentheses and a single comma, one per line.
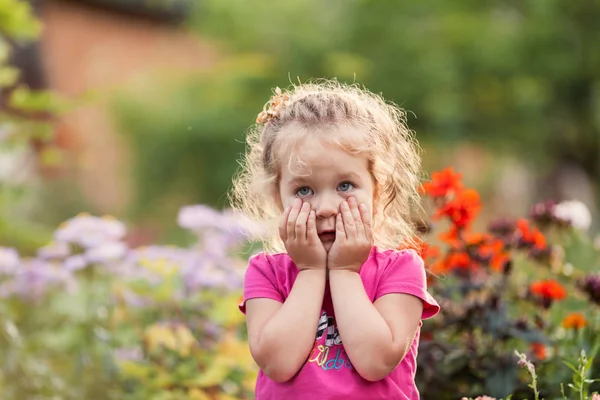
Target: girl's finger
(291,221)
(360,231)
(301,221)
(283,224)
(311,228)
(366,221)
(340,231)
(349,223)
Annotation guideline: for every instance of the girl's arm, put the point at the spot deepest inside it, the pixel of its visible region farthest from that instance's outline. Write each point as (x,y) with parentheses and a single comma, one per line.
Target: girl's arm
(376,336)
(281,336)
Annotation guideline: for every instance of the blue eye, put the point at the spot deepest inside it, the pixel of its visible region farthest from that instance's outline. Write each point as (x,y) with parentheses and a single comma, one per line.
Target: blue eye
(345,186)
(304,191)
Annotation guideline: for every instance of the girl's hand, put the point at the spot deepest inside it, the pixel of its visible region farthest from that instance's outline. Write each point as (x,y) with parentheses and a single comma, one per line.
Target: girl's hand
(298,230)
(353,237)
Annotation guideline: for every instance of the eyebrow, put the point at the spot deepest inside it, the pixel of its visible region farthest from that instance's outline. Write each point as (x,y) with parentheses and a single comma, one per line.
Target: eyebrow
(349,175)
(301,180)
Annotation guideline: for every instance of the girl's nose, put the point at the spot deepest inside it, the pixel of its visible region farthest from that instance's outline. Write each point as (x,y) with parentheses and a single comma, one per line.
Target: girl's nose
(326,206)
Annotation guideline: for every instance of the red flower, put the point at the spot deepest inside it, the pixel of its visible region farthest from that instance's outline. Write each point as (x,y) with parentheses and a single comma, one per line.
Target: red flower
(442,183)
(548,290)
(531,236)
(461,210)
(539,350)
(455,260)
(494,251)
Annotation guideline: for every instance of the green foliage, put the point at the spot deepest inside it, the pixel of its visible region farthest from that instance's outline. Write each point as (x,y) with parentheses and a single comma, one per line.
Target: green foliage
(186,151)
(17,21)
(23,123)
(519,76)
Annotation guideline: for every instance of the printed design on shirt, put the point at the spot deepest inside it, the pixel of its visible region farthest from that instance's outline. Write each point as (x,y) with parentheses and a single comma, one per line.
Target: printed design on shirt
(328,324)
(331,354)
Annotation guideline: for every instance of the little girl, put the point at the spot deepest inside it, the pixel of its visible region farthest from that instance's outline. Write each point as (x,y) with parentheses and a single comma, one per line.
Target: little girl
(333,309)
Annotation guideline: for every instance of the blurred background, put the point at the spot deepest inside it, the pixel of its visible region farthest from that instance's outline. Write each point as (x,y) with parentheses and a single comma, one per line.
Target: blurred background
(136,107)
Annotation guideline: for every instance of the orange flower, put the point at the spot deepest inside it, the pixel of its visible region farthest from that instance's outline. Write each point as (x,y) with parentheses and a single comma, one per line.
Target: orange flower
(442,183)
(461,210)
(548,289)
(574,321)
(439,267)
(476,238)
(460,260)
(539,350)
(452,237)
(531,236)
(427,251)
(494,249)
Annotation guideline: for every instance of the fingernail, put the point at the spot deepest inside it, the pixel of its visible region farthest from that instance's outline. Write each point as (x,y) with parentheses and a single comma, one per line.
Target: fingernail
(363,206)
(351,200)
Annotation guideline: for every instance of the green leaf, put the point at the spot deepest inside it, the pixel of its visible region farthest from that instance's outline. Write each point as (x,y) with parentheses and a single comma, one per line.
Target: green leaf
(8,76)
(34,101)
(17,20)
(571,367)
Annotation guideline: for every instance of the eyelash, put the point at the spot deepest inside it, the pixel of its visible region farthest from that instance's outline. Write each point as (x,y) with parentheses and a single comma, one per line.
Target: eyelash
(353,186)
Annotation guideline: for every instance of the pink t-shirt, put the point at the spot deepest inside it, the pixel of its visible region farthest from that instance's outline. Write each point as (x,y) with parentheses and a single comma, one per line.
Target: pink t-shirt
(328,373)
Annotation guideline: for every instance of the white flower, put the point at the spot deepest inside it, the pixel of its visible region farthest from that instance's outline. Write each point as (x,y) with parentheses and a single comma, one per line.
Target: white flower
(89,231)
(106,252)
(9,260)
(575,213)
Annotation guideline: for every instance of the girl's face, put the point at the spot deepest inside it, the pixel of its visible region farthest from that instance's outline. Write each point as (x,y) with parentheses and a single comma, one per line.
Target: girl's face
(326,176)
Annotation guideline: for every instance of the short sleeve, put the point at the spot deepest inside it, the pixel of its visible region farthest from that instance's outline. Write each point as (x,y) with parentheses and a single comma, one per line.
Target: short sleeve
(405,273)
(260,281)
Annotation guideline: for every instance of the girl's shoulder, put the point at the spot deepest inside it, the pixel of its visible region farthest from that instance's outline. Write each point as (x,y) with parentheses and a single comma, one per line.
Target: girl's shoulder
(389,257)
(277,262)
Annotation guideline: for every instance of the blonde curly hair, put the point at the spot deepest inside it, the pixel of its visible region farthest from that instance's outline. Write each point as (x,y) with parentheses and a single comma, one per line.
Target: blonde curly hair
(390,147)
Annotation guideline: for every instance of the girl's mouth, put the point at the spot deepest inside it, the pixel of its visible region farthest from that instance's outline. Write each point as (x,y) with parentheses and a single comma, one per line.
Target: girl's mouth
(328,236)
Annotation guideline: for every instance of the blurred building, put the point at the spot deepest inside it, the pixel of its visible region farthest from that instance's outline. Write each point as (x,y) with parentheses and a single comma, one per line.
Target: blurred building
(88,49)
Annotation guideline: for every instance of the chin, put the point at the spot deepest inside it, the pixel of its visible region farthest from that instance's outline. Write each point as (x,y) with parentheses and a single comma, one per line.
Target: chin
(327,246)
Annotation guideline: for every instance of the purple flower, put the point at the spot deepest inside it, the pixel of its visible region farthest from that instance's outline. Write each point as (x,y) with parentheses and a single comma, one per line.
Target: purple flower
(35,278)
(590,284)
(234,227)
(9,261)
(205,275)
(567,213)
(543,212)
(74,263)
(198,218)
(89,231)
(54,250)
